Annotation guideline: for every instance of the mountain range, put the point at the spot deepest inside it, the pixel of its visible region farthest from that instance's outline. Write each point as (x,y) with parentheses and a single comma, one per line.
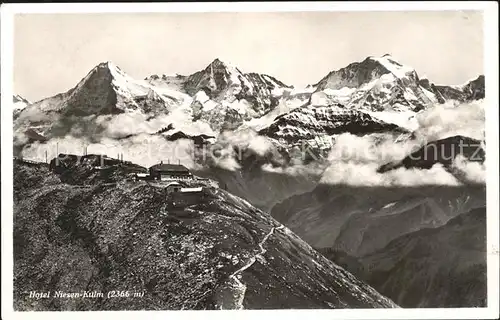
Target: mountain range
(362,98)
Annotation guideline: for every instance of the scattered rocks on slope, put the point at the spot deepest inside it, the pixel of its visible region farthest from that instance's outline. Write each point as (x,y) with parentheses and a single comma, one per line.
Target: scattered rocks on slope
(102,238)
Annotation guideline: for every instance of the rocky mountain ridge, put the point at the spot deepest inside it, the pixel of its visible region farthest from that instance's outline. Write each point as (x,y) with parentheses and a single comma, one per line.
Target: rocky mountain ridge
(207,250)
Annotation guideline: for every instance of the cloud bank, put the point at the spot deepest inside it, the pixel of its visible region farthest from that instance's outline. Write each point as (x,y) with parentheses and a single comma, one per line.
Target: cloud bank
(353,160)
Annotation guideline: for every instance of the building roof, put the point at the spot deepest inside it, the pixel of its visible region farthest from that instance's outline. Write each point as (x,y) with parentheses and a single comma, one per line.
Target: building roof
(166,167)
(172,184)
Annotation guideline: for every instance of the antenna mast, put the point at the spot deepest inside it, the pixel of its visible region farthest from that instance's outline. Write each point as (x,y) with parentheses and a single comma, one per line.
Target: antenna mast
(57,153)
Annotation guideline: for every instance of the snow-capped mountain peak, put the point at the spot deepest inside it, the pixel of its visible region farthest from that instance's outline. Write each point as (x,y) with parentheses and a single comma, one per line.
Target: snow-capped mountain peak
(20,102)
(375,84)
(115,70)
(243,96)
(216,77)
(227,70)
(105,91)
(108,64)
(111,72)
(357,74)
(397,69)
(217,63)
(108,89)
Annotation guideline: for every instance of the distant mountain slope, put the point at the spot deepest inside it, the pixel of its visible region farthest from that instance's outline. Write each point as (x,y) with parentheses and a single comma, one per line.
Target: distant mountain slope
(361,220)
(210,250)
(176,81)
(430,268)
(262,189)
(438,267)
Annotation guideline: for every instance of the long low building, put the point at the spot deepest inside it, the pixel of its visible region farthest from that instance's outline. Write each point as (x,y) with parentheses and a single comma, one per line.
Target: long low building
(196,189)
(167,171)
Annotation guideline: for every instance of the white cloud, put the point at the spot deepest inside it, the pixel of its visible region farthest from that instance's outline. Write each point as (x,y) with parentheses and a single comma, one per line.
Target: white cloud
(450,119)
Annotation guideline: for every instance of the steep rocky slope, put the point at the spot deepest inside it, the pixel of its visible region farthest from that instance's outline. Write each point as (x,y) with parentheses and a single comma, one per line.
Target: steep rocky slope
(361,220)
(210,250)
(430,268)
(312,121)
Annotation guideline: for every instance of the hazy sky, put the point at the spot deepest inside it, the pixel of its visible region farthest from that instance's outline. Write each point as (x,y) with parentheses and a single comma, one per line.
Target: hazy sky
(53,52)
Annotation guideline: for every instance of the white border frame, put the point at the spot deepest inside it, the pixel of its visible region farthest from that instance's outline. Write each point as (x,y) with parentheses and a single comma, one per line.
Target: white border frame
(490,10)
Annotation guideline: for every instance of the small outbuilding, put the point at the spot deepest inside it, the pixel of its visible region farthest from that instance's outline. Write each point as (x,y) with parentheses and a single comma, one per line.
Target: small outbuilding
(141,176)
(173,187)
(191,190)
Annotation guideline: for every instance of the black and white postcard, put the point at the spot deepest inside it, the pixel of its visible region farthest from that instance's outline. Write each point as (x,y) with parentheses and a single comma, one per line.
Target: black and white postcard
(321,159)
